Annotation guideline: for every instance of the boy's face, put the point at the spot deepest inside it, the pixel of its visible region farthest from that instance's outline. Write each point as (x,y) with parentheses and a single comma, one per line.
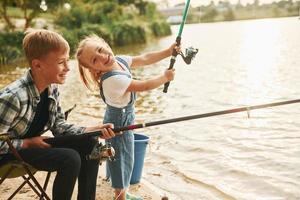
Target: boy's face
(97,56)
(54,67)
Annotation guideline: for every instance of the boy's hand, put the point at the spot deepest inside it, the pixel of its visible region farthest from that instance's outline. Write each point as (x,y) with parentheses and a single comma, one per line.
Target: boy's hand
(107,132)
(169,74)
(35,142)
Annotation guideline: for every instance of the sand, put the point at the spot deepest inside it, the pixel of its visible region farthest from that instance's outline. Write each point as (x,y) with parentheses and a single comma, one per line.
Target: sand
(104,191)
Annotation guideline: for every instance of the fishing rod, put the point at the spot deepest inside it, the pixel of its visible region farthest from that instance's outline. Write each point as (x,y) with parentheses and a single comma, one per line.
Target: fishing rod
(190,52)
(62,139)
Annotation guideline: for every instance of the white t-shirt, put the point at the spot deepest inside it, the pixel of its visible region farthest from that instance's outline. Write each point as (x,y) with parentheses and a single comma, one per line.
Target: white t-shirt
(114,87)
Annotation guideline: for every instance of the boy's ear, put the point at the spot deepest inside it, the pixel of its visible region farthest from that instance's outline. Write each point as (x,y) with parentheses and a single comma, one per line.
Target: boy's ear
(36,64)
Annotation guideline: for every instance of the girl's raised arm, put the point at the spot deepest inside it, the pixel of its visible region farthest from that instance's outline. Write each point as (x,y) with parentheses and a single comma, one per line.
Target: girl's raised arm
(152,57)
(139,86)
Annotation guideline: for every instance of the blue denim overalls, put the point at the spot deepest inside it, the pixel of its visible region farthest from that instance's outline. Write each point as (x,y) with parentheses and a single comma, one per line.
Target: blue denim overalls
(120,169)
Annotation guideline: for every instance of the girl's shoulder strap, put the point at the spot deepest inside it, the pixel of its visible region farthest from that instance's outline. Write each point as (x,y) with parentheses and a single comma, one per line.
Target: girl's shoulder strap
(122,61)
(113,73)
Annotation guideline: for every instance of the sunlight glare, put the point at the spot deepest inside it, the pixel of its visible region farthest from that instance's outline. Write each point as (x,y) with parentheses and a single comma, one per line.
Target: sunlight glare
(259,50)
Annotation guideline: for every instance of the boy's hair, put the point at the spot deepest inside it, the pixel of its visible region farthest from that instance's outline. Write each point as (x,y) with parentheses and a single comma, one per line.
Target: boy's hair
(37,43)
(91,81)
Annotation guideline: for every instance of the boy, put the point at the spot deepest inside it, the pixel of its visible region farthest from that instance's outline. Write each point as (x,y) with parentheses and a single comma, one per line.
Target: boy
(30,106)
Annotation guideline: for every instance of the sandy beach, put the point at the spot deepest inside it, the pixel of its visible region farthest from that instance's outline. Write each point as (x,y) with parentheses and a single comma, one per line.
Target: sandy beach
(104,191)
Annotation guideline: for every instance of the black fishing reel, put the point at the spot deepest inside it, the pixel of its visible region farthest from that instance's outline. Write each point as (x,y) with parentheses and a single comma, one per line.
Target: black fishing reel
(102,153)
(190,53)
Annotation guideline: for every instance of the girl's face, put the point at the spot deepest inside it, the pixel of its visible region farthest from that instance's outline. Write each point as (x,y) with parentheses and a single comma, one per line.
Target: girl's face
(97,56)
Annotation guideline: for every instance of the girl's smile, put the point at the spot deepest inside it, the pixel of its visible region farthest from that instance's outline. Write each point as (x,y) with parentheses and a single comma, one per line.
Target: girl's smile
(98,57)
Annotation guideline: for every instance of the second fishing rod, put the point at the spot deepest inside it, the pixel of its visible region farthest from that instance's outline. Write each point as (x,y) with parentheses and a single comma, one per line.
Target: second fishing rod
(118,130)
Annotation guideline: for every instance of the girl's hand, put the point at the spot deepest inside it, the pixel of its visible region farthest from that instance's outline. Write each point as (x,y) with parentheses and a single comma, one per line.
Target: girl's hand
(169,74)
(174,46)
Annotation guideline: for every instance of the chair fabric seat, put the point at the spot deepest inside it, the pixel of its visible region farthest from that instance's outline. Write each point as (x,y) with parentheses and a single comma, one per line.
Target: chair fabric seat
(17,169)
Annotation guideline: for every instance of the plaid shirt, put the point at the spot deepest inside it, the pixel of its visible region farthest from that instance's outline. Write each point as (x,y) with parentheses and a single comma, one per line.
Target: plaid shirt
(18,102)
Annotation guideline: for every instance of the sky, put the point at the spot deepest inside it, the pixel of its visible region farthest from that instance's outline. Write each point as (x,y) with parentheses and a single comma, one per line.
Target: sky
(206,2)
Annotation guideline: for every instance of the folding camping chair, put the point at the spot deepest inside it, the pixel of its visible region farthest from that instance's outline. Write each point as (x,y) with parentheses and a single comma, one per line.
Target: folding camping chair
(19,168)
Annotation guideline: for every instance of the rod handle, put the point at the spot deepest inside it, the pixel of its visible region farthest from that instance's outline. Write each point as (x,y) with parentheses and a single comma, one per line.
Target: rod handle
(172,61)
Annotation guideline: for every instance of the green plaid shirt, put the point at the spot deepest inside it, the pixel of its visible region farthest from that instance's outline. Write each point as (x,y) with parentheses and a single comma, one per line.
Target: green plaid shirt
(18,102)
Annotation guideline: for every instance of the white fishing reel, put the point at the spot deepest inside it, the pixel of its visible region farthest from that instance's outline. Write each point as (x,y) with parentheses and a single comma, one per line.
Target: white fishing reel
(102,153)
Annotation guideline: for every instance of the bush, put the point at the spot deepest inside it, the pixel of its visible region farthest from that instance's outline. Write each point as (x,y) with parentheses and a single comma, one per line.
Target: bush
(101,31)
(11,38)
(74,18)
(105,12)
(126,33)
(76,35)
(10,46)
(115,23)
(160,28)
(71,37)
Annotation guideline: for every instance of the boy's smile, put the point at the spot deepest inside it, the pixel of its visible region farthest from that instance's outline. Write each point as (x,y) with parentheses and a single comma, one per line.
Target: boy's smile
(52,68)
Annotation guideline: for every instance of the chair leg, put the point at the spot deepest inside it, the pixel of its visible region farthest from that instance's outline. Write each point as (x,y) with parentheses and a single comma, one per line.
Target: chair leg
(43,193)
(26,180)
(45,184)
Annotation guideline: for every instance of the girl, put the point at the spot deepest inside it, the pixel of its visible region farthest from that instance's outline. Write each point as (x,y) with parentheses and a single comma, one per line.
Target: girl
(98,66)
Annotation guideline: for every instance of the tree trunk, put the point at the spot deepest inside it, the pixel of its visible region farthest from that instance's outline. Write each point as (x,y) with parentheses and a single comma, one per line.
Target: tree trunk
(6,18)
(24,7)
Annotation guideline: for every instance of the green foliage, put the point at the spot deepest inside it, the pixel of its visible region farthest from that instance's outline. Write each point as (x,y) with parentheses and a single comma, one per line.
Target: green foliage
(160,28)
(72,19)
(116,21)
(228,12)
(151,10)
(10,46)
(124,2)
(28,10)
(102,31)
(127,33)
(73,37)
(275,11)
(141,6)
(229,15)
(209,15)
(119,22)
(105,12)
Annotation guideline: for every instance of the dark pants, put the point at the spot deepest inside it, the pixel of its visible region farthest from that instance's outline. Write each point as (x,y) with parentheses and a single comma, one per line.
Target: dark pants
(69,162)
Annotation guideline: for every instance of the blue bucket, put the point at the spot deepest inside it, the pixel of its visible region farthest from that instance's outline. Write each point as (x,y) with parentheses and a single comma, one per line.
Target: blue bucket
(140,145)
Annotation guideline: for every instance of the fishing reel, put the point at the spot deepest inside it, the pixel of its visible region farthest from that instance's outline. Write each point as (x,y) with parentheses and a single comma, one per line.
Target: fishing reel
(190,53)
(102,153)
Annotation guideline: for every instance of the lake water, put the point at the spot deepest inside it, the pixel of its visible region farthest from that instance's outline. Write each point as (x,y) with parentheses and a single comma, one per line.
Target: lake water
(223,157)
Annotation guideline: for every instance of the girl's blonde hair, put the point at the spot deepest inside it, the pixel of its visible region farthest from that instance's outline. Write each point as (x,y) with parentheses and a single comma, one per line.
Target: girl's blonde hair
(90,80)
(37,43)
